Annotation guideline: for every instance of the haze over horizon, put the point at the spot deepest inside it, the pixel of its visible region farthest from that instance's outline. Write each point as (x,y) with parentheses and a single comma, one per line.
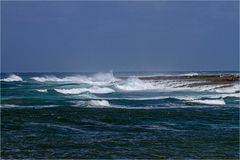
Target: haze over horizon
(119,36)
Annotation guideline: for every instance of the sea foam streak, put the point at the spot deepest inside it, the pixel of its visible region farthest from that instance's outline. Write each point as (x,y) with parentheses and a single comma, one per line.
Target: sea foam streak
(185,98)
(102,103)
(96,79)
(12,78)
(46,79)
(94,89)
(25,107)
(209,101)
(189,74)
(92,103)
(232,89)
(42,90)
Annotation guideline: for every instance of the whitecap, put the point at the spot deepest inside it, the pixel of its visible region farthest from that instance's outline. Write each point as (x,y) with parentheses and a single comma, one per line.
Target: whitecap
(97,103)
(46,79)
(92,103)
(190,74)
(209,101)
(94,89)
(135,84)
(100,90)
(71,91)
(42,90)
(231,89)
(12,78)
(96,79)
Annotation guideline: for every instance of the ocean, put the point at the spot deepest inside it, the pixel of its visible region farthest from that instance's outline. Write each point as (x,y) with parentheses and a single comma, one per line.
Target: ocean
(117,116)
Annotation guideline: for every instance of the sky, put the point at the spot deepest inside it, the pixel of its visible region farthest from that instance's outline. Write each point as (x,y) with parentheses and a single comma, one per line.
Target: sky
(95,36)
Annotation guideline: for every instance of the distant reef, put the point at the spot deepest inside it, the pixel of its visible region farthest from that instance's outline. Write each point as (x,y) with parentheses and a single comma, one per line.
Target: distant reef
(224,79)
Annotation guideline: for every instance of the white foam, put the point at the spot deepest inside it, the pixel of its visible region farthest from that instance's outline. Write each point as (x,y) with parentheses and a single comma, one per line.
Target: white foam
(232,89)
(46,78)
(132,84)
(71,91)
(189,74)
(135,84)
(185,98)
(100,90)
(78,103)
(12,78)
(92,104)
(94,89)
(209,101)
(102,103)
(86,96)
(42,90)
(8,106)
(237,95)
(96,79)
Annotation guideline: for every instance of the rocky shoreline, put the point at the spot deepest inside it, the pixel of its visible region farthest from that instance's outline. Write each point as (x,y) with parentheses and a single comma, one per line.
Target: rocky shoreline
(224,79)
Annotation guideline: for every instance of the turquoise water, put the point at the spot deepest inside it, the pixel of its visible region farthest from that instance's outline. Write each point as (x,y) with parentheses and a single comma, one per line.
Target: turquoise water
(106,115)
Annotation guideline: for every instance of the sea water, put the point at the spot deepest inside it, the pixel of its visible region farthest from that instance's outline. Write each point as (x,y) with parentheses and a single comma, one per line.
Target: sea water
(106,115)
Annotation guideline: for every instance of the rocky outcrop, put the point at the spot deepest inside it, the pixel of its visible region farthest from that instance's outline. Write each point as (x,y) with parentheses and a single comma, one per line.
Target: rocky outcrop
(212,78)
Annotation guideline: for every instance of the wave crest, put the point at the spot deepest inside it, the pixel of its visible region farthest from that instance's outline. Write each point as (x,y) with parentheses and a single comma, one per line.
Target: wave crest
(209,101)
(190,74)
(94,89)
(97,103)
(135,84)
(12,78)
(96,79)
(232,89)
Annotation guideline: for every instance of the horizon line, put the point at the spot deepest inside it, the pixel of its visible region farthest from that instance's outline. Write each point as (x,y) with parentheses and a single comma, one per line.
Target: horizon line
(118,71)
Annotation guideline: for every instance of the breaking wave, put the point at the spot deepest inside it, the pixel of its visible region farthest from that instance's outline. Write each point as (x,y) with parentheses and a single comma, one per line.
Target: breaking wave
(189,74)
(210,101)
(92,103)
(231,89)
(94,89)
(135,84)
(96,79)
(12,78)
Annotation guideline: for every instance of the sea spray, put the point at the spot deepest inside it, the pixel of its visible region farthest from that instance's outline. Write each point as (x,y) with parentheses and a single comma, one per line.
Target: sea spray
(12,78)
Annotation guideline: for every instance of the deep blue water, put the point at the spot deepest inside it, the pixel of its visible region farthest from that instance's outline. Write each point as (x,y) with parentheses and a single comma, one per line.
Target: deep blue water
(59,115)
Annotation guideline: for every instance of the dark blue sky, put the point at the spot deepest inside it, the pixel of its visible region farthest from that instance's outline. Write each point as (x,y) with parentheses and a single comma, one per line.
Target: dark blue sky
(119,36)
